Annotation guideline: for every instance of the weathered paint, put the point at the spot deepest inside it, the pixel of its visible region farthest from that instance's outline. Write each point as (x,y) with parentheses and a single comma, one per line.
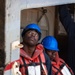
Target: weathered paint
(12,27)
(25,4)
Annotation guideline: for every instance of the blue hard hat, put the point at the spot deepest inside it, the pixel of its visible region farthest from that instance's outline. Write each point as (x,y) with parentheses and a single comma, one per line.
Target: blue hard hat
(32,27)
(50,43)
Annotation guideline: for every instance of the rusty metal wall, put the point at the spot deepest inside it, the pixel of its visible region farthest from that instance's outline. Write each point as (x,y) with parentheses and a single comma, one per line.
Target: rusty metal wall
(2,40)
(2,22)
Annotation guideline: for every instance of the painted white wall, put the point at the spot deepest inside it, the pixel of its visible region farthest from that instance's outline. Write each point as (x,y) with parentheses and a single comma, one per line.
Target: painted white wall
(12,28)
(43,3)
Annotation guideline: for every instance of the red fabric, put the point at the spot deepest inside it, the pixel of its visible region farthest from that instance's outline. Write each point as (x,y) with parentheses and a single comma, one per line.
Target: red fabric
(9,66)
(38,51)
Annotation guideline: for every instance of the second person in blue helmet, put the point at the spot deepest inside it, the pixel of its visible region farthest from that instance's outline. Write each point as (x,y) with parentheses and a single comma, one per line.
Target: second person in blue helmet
(59,67)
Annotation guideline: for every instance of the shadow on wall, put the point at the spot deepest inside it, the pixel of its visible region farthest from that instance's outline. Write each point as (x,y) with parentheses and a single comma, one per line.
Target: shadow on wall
(2,61)
(63,43)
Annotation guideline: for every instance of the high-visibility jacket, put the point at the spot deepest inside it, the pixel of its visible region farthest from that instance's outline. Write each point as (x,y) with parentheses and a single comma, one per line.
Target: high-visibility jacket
(39,58)
(59,67)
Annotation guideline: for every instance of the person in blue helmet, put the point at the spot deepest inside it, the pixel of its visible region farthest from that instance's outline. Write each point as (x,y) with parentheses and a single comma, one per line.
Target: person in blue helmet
(33,60)
(69,25)
(59,67)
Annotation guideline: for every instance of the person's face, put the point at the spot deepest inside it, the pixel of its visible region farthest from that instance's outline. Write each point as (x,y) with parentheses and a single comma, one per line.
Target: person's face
(51,54)
(31,37)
